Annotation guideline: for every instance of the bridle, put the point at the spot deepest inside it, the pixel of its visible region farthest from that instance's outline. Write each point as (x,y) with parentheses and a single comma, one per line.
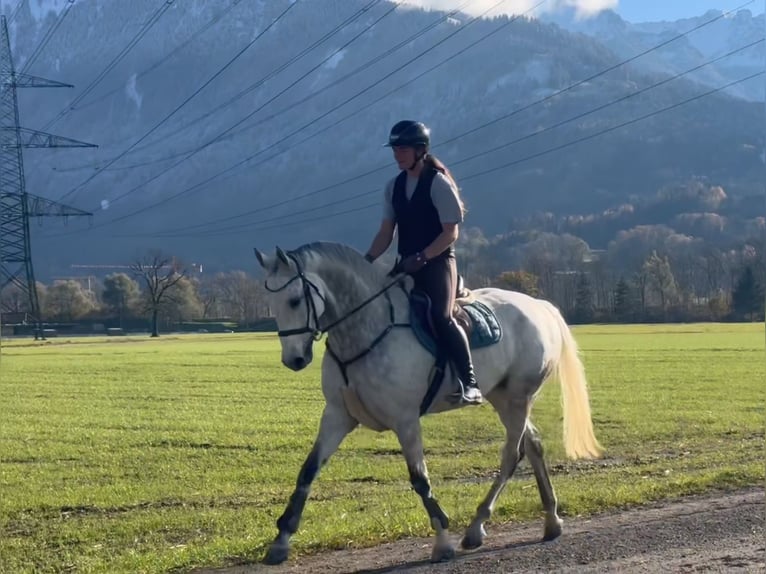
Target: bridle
(311,313)
(311,310)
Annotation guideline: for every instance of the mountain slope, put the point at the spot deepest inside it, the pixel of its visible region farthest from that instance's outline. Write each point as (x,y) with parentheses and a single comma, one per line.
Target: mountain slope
(711,35)
(518,63)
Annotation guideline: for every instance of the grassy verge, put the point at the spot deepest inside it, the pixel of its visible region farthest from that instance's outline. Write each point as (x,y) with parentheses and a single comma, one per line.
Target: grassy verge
(139,455)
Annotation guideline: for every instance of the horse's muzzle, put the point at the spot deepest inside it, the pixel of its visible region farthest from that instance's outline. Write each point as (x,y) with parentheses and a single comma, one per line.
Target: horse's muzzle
(295,363)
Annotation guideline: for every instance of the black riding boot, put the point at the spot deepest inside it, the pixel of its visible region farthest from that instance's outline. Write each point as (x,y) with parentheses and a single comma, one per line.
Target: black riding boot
(459,351)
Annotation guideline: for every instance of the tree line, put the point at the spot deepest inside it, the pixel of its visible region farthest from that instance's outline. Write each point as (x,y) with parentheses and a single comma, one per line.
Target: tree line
(647,274)
(158,293)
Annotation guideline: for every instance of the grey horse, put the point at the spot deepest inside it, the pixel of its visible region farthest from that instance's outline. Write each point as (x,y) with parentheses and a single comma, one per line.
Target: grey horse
(375,374)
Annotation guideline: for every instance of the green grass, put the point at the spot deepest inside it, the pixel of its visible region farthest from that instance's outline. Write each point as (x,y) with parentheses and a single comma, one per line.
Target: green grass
(141,455)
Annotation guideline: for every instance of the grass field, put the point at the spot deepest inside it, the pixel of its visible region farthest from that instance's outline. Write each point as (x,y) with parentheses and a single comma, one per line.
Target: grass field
(140,455)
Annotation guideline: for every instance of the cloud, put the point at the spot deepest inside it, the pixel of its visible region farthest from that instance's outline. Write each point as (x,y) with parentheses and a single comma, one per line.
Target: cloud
(583,8)
(131,91)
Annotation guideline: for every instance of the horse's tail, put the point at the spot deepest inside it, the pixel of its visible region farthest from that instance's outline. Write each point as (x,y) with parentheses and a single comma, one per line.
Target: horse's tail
(579,438)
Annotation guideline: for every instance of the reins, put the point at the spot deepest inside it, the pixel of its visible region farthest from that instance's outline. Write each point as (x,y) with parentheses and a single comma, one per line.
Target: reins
(311,312)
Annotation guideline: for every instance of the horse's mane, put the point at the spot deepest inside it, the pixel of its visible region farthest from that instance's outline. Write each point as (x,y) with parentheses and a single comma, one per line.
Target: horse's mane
(318,252)
(324,251)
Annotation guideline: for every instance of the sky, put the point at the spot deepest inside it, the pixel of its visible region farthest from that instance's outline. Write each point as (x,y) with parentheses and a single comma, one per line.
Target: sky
(631,10)
(652,10)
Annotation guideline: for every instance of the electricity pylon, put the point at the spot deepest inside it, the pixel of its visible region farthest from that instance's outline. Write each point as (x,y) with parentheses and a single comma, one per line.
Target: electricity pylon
(16,205)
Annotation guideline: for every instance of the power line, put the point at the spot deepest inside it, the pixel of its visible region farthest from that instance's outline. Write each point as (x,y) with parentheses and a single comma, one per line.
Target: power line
(249,225)
(603,106)
(197,33)
(296,222)
(295,104)
(268,220)
(611,129)
(385,166)
(310,96)
(606,71)
(290,86)
(111,65)
(216,138)
(518,161)
(47,38)
(242,162)
(239,95)
(459,136)
(517,111)
(210,142)
(320,217)
(15,12)
(187,100)
(302,196)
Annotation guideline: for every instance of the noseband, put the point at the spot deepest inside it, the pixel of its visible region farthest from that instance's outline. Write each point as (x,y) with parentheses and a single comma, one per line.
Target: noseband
(318,331)
(311,310)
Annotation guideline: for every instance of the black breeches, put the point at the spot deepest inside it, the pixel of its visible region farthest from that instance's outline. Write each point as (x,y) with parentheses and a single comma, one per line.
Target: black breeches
(438,279)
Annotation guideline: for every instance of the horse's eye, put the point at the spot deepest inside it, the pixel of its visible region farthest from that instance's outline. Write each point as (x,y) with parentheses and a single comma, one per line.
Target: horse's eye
(294,302)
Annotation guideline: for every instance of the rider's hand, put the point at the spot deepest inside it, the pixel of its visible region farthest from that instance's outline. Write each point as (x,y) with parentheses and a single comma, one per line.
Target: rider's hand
(414,263)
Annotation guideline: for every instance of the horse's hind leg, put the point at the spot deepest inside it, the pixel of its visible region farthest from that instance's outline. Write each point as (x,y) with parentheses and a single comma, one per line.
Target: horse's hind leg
(513,414)
(336,423)
(534,450)
(412,447)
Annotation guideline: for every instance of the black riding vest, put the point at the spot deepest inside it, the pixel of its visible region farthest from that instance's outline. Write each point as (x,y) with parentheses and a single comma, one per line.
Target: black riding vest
(417,220)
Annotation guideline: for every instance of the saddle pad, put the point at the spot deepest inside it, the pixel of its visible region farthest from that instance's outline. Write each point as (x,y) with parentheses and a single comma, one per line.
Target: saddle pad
(486,328)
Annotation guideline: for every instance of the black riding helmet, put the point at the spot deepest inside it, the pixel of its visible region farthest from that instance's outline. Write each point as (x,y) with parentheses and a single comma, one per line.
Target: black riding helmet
(409,133)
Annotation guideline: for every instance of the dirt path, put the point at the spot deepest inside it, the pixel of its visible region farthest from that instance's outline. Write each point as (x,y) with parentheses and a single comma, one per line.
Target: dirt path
(715,533)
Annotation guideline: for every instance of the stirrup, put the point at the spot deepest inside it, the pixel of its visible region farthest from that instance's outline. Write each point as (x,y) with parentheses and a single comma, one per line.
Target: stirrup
(462,396)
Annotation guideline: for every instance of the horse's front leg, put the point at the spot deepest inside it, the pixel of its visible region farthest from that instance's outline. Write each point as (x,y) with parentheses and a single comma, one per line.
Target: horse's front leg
(336,423)
(411,441)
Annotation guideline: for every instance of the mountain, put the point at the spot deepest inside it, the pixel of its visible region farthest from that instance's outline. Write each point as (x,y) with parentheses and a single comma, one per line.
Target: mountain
(714,34)
(308,134)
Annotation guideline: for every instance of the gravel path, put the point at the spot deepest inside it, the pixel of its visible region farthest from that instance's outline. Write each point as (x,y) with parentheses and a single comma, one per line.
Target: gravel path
(713,533)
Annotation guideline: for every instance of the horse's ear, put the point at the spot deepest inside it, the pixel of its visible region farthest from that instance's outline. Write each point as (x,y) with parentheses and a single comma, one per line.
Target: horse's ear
(261,257)
(282,256)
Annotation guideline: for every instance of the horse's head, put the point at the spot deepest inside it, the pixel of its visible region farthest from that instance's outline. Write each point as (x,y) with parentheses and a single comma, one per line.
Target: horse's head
(298,300)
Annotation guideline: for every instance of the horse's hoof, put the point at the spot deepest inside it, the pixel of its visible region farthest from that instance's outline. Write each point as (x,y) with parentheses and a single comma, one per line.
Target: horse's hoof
(276,555)
(442,554)
(473,538)
(553,529)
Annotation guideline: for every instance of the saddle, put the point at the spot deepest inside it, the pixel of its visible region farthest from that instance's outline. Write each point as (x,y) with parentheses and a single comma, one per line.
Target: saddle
(479,322)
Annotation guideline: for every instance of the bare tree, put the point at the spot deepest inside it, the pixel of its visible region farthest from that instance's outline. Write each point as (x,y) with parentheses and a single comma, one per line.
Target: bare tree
(628,251)
(641,281)
(120,294)
(469,248)
(160,274)
(182,303)
(602,283)
(239,295)
(14,300)
(541,266)
(661,280)
(521,281)
(208,297)
(683,253)
(713,264)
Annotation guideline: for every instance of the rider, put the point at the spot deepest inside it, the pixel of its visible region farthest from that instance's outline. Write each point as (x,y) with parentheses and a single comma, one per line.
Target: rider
(424,205)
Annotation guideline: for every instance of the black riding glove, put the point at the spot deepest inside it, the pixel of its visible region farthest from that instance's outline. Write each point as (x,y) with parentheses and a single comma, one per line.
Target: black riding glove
(414,263)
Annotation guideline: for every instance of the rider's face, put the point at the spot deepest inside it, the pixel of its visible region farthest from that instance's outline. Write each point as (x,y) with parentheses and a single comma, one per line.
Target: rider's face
(404,156)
